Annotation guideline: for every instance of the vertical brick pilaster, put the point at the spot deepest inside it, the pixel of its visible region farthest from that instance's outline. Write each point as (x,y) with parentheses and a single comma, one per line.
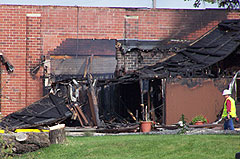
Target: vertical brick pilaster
(33,54)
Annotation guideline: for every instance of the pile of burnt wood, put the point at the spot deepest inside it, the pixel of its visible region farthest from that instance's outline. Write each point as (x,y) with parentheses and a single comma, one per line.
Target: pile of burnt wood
(72,102)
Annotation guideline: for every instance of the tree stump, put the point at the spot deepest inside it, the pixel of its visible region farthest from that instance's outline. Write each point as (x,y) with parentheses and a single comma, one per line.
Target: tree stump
(23,142)
(57,134)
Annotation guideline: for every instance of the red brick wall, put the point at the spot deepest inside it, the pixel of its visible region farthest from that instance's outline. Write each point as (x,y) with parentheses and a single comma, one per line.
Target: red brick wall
(33,54)
(24,38)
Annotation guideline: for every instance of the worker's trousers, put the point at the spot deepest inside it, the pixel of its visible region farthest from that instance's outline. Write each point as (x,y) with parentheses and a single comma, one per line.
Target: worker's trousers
(228,124)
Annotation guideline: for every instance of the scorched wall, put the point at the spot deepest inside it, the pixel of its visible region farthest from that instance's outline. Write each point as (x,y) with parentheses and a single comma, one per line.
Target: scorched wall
(27,32)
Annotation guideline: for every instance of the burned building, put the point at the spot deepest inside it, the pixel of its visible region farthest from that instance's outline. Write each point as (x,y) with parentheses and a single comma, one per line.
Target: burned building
(185,79)
(190,82)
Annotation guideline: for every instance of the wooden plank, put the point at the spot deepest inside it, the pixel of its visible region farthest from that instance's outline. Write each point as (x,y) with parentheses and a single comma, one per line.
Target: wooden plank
(86,68)
(82,115)
(79,118)
(74,116)
(95,105)
(71,109)
(91,107)
(94,101)
(91,64)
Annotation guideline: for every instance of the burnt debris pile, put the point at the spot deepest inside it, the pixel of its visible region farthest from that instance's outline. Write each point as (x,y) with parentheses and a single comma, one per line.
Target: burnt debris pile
(72,102)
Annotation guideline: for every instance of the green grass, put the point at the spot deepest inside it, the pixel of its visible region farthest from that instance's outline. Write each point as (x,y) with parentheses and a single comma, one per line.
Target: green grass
(142,147)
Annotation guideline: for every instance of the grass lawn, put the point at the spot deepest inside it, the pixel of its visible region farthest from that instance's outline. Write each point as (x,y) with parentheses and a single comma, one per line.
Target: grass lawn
(143,147)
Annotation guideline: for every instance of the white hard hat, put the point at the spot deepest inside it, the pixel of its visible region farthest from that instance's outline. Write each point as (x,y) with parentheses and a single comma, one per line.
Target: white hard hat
(226,92)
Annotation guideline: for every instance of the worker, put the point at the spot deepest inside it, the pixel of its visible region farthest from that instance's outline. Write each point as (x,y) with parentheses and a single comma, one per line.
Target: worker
(229,110)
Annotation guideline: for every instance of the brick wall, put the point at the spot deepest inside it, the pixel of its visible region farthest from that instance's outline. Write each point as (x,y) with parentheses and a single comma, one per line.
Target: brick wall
(33,54)
(25,37)
(138,59)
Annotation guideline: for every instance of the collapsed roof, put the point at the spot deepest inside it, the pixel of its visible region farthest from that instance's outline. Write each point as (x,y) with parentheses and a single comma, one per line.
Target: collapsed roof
(46,111)
(194,61)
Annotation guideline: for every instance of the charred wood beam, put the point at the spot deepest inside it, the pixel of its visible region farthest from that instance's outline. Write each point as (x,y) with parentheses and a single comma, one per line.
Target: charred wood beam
(82,115)
(92,108)
(78,116)
(90,64)
(93,102)
(86,67)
